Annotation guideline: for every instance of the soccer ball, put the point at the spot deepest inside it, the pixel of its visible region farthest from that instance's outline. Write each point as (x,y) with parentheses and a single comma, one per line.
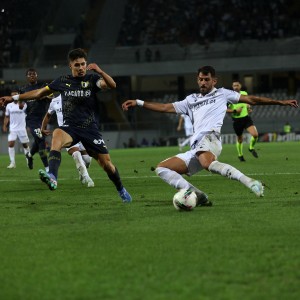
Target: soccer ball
(185,199)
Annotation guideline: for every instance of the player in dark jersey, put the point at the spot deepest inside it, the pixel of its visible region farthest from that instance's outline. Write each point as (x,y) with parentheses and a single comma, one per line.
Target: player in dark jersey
(78,92)
(35,112)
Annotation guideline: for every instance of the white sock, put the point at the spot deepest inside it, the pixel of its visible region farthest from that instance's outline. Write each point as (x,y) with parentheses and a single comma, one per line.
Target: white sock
(174,179)
(80,165)
(87,159)
(230,172)
(26,150)
(11,152)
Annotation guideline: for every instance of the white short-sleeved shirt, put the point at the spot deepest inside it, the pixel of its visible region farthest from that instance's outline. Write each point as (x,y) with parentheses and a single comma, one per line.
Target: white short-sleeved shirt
(56,107)
(187,122)
(207,112)
(17,116)
(188,126)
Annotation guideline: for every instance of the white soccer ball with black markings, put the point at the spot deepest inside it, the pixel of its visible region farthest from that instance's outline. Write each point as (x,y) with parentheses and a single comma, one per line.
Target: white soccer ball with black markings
(185,199)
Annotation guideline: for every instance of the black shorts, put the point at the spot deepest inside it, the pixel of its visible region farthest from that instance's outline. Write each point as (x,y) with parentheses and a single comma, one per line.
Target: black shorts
(90,138)
(239,124)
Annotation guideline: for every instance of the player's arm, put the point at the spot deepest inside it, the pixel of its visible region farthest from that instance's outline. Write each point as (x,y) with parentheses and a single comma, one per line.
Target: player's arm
(34,94)
(249,108)
(154,106)
(45,122)
(230,109)
(106,81)
(255,100)
(5,123)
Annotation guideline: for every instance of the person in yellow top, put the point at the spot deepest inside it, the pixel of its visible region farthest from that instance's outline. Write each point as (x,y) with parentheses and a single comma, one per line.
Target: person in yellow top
(287,128)
(241,121)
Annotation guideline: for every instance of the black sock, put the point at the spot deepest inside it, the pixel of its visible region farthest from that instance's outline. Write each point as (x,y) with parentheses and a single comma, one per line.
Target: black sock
(54,162)
(34,148)
(115,178)
(44,158)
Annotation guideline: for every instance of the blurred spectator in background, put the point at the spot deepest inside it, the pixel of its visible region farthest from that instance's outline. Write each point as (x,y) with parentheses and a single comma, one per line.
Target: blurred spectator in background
(185,121)
(137,55)
(287,128)
(174,22)
(157,56)
(148,55)
(144,142)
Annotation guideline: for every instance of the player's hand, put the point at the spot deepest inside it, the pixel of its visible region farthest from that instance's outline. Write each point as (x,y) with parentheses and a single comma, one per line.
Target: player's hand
(46,132)
(94,67)
(239,110)
(128,103)
(5,99)
(293,103)
(4,128)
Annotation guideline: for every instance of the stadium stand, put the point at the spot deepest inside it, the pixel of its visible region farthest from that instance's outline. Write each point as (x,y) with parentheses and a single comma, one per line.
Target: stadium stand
(178,35)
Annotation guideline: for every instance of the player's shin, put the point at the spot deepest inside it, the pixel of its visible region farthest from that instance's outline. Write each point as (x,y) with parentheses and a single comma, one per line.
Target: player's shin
(115,178)
(80,165)
(178,182)
(174,179)
(229,172)
(54,162)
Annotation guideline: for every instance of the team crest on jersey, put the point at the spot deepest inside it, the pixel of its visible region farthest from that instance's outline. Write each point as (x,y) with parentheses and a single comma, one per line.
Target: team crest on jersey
(85,84)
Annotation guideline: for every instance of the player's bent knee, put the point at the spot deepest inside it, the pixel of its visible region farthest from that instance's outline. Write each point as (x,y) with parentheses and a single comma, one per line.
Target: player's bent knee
(161,170)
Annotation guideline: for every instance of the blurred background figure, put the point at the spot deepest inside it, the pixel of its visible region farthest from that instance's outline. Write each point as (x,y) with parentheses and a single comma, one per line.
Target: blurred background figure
(15,120)
(287,128)
(185,121)
(242,121)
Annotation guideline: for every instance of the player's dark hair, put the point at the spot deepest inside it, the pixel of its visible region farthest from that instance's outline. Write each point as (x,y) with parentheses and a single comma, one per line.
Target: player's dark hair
(30,70)
(206,70)
(77,53)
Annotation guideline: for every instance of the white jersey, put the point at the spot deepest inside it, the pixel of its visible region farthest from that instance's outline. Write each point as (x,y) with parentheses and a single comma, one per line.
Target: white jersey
(207,112)
(17,116)
(55,107)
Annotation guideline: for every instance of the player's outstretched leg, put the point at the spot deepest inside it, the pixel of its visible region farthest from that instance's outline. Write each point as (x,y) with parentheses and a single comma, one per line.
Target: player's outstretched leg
(232,173)
(49,179)
(178,182)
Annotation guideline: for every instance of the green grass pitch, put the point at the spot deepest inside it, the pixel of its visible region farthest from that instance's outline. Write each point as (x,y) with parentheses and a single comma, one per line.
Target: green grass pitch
(84,243)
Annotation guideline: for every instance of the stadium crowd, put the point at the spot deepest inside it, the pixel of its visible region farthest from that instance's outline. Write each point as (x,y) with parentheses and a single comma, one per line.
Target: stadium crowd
(15,29)
(198,21)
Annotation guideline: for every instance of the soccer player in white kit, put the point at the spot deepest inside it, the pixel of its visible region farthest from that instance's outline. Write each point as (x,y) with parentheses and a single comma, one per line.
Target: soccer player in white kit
(188,129)
(15,116)
(206,110)
(78,152)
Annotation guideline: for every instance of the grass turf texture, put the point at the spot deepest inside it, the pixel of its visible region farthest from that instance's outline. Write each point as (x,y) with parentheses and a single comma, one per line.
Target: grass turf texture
(84,243)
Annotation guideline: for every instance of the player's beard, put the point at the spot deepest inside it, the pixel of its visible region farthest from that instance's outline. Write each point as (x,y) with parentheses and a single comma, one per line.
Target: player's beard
(203,90)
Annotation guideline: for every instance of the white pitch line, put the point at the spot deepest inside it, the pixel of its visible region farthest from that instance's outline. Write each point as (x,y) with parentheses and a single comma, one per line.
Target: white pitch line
(143,177)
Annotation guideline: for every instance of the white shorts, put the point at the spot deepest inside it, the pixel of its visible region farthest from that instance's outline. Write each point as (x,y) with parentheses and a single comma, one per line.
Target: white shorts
(20,134)
(78,145)
(209,142)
